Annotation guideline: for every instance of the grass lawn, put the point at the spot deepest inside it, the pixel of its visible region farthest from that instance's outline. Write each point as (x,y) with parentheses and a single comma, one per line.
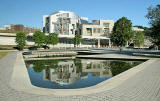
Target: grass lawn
(2,54)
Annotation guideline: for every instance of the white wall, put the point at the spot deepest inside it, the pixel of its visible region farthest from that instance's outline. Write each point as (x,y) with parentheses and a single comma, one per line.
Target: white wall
(11,41)
(7,40)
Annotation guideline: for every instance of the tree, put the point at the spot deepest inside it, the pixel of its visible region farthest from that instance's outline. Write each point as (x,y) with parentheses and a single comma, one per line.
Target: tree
(122,32)
(78,65)
(21,40)
(154,20)
(77,39)
(39,38)
(52,39)
(38,66)
(138,38)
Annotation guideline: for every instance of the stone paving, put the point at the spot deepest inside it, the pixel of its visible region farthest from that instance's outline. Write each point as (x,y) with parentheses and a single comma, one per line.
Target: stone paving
(144,86)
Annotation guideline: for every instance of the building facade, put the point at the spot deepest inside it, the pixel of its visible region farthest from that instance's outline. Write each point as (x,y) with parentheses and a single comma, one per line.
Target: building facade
(137,29)
(67,24)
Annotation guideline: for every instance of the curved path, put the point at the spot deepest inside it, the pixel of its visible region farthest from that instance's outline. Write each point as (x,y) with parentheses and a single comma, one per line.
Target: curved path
(141,83)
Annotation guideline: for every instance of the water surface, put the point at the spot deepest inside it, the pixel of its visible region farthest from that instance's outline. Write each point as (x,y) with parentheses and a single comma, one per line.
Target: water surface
(74,73)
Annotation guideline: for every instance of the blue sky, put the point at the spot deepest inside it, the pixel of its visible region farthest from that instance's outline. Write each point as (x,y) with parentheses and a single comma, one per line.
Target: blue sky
(30,12)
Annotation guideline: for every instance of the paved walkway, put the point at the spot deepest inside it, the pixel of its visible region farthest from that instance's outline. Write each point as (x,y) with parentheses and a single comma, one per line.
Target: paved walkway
(143,86)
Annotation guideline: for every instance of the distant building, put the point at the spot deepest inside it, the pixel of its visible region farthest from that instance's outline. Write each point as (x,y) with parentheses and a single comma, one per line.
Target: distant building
(8,26)
(137,29)
(67,24)
(18,28)
(147,40)
(13,28)
(28,29)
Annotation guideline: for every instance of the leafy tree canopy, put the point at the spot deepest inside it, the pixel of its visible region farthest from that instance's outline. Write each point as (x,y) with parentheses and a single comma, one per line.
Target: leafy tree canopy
(77,39)
(38,66)
(52,39)
(154,20)
(122,32)
(138,38)
(39,38)
(21,40)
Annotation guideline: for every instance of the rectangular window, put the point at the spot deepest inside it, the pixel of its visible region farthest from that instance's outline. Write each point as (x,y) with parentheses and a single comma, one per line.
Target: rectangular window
(106,25)
(73,25)
(89,31)
(106,31)
(94,30)
(97,30)
(72,31)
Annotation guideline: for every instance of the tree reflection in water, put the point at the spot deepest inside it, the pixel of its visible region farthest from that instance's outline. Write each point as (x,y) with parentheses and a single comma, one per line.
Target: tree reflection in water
(39,65)
(118,67)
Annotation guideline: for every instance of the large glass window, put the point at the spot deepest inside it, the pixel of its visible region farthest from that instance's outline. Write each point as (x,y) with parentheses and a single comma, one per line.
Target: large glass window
(63,15)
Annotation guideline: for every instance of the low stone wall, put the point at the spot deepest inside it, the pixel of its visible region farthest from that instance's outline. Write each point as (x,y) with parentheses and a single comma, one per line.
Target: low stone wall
(51,58)
(9,39)
(39,54)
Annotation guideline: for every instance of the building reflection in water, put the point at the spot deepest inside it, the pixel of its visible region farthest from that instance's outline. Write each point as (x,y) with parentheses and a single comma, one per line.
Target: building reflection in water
(70,71)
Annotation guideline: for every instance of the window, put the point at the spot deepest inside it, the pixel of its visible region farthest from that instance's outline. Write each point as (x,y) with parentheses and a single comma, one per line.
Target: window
(73,25)
(106,25)
(72,31)
(106,31)
(97,30)
(63,15)
(94,30)
(47,20)
(89,31)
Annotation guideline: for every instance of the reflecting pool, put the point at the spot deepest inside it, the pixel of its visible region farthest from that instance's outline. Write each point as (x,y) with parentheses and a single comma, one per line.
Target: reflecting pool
(74,73)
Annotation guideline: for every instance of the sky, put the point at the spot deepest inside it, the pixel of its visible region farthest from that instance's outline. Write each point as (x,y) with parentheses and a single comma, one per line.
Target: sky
(30,12)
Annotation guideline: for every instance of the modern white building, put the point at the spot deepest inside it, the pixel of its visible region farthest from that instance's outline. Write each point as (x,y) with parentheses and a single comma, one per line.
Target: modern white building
(97,33)
(61,22)
(67,24)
